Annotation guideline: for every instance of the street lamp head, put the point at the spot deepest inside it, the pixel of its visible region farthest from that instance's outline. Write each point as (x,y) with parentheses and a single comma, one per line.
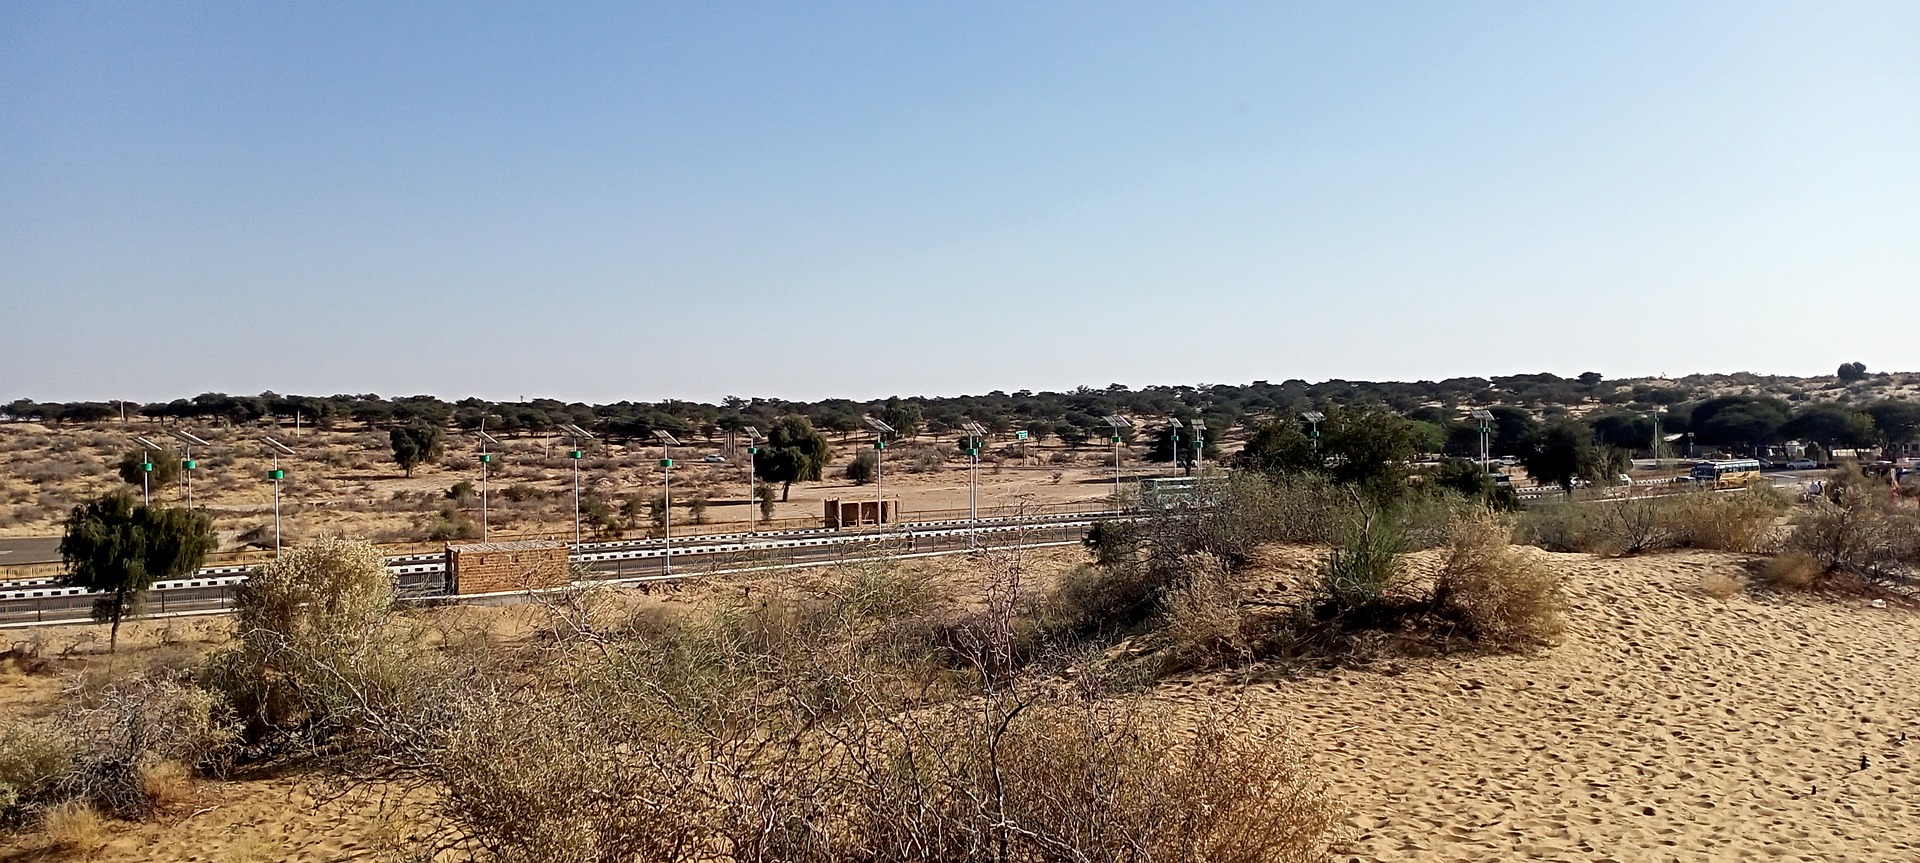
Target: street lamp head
(487,438)
(277,446)
(665,438)
(577,431)
(147,443)
(753,434)
(1119,422)
(878,426)
(1313,416)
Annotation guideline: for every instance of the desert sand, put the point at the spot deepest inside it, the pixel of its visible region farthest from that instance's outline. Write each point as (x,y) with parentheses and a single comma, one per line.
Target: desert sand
(1667,725)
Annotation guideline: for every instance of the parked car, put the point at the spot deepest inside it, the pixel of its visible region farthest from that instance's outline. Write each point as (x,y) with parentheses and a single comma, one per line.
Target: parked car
(714,458)
(1802,464)
(1765,464)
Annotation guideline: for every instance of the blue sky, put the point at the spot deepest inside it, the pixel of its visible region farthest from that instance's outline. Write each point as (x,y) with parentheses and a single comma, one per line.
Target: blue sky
(639,201)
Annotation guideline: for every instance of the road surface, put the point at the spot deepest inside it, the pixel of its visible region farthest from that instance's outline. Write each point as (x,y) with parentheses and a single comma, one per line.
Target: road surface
(420,577)
(29,549)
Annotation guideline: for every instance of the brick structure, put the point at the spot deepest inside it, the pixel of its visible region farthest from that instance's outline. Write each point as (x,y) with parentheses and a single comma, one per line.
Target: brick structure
(850,513)
(493,567)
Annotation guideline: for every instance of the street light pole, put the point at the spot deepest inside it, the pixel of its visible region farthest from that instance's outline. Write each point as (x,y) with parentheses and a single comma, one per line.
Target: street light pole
(277,475)
(1199,428)
(146,468)
(754,437)
(666,492)
(1314,419)
(576,433)
(880,432)
(187,464)
(486,459)
(1486,436)
(1117,422)
(975,432)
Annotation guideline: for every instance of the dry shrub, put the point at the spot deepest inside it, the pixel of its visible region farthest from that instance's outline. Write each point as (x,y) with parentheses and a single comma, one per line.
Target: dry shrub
(1720,585)
(788,729)
(1740,522)
(33,759)
(1505,596)
(1791,571)
(74,827)
(1203,622)
(133,726)
(317,647)
(1859,528)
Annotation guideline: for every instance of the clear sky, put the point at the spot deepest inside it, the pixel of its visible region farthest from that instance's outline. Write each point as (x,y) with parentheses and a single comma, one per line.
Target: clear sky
(642,201)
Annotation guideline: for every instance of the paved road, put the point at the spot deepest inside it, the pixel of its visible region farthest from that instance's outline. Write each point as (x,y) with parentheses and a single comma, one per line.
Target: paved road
(30,549)
(626,562)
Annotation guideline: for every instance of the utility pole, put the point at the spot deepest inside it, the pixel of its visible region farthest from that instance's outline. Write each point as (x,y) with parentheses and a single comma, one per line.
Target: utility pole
(486,459)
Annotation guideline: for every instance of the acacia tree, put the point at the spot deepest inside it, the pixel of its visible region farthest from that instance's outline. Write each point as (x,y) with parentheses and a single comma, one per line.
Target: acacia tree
(1563,452)
(119,548)
(166,468)
(794,452)
(413,444)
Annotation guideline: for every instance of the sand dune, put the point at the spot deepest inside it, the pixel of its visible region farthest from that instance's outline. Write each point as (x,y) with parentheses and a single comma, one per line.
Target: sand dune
(1668,726)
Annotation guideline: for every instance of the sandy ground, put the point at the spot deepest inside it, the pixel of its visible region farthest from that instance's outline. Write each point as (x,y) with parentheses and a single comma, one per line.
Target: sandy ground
(343,481)
(1668,726)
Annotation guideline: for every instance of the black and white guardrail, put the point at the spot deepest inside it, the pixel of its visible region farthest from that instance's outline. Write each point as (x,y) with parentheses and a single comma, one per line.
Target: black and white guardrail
(427,564)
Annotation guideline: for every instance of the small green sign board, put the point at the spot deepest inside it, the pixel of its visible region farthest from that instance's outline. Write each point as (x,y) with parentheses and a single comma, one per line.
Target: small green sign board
(146,467)
(753,450)
(879,444)
(666,462)
(576,454)
(973,451)
(486,458)
(276,474)
(1020,435)
(189,464)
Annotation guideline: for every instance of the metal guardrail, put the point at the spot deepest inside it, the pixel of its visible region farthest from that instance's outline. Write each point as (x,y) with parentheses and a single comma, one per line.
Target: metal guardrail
(425,575)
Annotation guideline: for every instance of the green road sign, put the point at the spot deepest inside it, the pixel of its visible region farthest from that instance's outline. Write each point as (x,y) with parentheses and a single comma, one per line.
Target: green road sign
(576,454)
(879,444)
(486,458)
(1019,435)
(146,467)
(753,450)
(974,451)
(276,474)
(189,464)
(666,462)
(1116,438)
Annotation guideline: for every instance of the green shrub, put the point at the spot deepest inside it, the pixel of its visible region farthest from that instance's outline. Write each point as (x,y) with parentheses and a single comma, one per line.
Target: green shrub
(1363,567)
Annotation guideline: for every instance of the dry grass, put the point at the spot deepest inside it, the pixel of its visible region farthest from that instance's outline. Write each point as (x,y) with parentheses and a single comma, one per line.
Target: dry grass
(169,784)
(74,828)
(1203,622)
(1720,585)
(1504,595)
(1792,571)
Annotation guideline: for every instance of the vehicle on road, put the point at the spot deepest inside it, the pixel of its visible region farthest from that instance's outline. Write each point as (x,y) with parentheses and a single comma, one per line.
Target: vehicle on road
(714,458)
(1730,473)
(1802,464)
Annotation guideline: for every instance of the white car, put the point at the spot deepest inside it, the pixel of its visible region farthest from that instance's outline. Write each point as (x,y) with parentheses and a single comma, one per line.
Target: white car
(714,458)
